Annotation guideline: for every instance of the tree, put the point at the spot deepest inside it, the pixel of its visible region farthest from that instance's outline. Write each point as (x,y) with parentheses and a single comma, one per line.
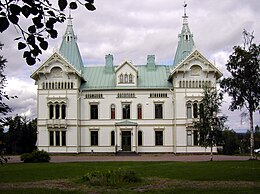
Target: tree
(243,86)
(209,123)
(21,135)
(42,16)
(230,142)
(4,108)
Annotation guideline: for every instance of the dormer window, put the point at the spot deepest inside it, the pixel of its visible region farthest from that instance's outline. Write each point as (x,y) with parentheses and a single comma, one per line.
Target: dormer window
(126,78)
(130,78)
(187,37)
(121,78)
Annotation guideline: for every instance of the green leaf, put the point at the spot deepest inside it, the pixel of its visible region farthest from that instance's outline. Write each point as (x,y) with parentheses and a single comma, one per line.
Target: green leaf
(21,45)
(30,60)
(32,29)
(44,45)
(90,6)
(13,18)
(62,4)
(73,5)
(15,9)
(4,24)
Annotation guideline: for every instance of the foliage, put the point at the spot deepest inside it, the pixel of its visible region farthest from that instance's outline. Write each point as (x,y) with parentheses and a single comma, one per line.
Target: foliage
(42,15)
(209,123)
(4,108)
(21,135)
(243,86)
(111,177)
(230,142)
(35,156)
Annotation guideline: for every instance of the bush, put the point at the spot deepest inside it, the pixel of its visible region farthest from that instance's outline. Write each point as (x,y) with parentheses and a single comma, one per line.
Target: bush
(111,177)
(35,156)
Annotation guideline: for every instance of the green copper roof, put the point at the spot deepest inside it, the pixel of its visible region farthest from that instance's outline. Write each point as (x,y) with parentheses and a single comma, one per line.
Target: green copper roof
(99,78)
(69,48)
(185,44)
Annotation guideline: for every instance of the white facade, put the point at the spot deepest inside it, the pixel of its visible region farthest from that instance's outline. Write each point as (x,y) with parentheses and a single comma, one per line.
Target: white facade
(143,109)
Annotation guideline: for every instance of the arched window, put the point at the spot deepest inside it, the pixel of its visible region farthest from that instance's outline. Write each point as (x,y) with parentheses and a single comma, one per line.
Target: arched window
(57,111)
(121,77)
(195,110)
(189,113)
(71,85)
(140,138)
(126,78)
(130,78)
(180,84)
(63,111)
(113,111)
(51,111)
(112,138)
(139,111)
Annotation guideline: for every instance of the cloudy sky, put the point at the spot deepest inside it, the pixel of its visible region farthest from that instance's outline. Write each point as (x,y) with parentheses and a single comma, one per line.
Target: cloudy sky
(131,29)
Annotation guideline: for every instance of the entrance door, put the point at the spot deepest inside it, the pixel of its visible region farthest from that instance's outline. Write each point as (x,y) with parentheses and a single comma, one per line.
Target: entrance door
(126,140)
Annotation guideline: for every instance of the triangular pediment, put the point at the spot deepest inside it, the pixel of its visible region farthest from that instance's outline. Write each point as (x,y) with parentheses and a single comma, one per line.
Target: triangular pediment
(207,66)
(55,60)
(126,63)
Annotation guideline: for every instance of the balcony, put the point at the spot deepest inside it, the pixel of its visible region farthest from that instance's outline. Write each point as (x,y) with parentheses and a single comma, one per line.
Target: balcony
(57,123)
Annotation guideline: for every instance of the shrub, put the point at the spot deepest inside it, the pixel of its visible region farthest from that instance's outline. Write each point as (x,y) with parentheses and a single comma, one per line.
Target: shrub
(111,177)
(35,156)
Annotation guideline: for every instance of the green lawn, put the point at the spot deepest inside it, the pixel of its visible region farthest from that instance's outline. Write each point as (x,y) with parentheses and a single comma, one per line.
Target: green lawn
(158,177)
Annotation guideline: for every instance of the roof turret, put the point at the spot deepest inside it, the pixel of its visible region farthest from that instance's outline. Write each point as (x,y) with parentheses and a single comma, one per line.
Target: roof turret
(69,48)
(185,43)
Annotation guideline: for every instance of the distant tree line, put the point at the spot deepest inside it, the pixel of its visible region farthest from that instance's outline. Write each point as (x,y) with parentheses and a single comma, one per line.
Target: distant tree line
(238,143)
(20,135)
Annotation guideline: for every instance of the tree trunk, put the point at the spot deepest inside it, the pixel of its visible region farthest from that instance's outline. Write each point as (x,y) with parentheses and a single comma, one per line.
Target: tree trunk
(251,135)
(211,153)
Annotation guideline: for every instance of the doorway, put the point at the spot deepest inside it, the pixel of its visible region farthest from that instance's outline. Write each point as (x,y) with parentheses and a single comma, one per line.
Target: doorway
(126,140)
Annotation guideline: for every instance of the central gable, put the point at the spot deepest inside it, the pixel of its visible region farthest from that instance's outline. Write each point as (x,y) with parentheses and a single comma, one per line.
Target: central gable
(194,65)
(126,74)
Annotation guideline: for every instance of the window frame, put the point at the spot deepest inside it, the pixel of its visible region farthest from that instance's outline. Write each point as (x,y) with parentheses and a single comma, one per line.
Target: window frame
(158,115)
(126,113)
(139,111)
(94,138)
(159,137)
(94,115)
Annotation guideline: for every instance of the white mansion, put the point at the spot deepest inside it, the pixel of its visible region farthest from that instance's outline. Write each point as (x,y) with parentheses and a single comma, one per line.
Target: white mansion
(126,107)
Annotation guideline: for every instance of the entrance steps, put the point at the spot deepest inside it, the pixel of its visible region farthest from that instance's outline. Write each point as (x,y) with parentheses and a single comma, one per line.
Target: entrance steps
(126,153)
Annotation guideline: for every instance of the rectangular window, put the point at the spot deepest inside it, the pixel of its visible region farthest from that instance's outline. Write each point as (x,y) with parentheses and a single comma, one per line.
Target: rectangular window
(158,111)
(189,138)
(51,112)
(195,138)
(126,111)
(63,138)
(93,111)
(158,138)
(51,138)
(57,134)
(112,138)
(94,138)
(140,138)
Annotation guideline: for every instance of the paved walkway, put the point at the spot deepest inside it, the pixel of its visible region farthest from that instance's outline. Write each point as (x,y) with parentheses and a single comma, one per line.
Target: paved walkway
(145,157)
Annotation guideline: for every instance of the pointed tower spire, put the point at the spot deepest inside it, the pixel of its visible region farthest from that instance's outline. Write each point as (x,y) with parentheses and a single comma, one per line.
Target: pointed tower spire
(185,43)
(69,47)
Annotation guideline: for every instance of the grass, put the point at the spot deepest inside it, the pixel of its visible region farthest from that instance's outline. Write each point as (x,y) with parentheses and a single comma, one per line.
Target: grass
(159,177)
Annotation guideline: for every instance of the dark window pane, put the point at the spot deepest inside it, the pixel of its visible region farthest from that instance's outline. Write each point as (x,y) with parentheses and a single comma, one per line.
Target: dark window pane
(57,138)
(112,138)
(158,111)
(57,111)
(140,138)
(63,111)
(51,138)
(195,110)
(94,138)
(94,111)
(51,111)
(158,137)
(113,111)
(195,138)
(139,111)
(126,111)
(63,138)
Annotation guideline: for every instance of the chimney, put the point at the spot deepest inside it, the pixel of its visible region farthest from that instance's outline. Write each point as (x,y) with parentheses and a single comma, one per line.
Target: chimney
(109,63)
(151,62)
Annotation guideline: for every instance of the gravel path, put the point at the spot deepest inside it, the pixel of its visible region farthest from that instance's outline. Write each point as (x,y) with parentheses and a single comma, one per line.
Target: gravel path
(144,157)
